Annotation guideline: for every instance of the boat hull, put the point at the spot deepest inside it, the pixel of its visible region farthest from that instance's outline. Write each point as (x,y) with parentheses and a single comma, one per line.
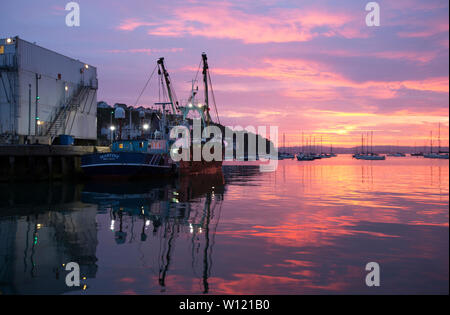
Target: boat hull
(125,165)
(199,167)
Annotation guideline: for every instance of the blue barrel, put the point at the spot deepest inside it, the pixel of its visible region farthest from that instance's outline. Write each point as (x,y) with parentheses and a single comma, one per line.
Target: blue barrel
(65,140)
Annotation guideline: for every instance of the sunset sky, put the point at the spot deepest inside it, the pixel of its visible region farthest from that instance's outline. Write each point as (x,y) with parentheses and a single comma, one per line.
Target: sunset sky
(311,66)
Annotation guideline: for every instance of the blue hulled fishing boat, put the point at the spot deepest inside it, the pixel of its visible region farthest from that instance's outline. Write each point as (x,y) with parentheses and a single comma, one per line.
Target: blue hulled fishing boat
(150,156)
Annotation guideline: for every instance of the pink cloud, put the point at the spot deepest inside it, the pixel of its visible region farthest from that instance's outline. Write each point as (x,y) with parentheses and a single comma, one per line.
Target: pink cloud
(132,24)
(223,21)
(147,51)
(306,73)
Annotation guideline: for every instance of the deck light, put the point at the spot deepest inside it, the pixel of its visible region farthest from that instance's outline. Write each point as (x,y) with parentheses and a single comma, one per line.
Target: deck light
(9,40)
(146,126)
(112,128)
(86,66)
(66,88)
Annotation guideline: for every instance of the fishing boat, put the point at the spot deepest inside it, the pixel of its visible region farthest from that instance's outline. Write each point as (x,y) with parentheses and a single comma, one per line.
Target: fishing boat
(150,156)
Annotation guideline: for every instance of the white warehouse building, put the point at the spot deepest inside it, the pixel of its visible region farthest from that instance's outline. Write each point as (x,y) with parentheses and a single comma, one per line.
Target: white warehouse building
(44,94)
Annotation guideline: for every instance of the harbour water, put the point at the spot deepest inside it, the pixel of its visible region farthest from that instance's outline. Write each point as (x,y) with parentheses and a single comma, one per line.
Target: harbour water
(308,228)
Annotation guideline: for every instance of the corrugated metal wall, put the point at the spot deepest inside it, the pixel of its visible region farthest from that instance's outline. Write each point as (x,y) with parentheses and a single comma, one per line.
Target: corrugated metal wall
(50,72)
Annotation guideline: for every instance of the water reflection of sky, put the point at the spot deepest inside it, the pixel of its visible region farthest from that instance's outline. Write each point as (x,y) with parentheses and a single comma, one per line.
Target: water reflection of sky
(308,228)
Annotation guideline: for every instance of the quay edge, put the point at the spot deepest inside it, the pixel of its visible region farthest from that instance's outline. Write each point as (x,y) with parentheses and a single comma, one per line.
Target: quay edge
(43,162)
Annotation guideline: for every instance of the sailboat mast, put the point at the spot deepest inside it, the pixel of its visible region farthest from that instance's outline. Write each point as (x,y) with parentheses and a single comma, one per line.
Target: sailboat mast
(371,142)
(439,139)
(321,145)
(431,141)
(362,143)
(303,143)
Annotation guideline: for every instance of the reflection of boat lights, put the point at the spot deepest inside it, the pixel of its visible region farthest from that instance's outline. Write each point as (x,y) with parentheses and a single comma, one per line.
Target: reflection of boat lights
(191,228)
(200,230)
(112,225)
(147,223)
(175,193)
(175,200)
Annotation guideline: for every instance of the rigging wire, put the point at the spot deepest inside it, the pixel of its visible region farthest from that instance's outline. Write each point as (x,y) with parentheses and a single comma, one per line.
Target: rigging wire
(198,70)
(213,97)
(145,86)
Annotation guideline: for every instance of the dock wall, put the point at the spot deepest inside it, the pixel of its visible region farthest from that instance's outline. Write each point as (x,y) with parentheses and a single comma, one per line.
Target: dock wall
(43,162)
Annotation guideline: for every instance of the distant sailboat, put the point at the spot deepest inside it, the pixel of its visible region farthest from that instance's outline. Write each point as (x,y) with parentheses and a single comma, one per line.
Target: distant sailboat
(439,154)
(368,155)
(285,155)
(398,153)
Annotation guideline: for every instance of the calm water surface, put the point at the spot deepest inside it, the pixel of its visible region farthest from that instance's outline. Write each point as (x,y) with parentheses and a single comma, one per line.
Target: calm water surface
(308,228)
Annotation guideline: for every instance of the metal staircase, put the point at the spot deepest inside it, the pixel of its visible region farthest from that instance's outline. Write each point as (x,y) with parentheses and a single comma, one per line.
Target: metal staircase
(60,119)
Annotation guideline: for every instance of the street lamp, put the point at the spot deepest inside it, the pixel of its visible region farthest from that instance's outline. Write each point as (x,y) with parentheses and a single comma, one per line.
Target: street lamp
(112,128)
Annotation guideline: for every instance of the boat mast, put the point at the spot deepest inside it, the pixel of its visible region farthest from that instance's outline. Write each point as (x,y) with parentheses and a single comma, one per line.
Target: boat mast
(439,139)
(371,142)
(167,80)
(205,82)
(431,141)
(362,143)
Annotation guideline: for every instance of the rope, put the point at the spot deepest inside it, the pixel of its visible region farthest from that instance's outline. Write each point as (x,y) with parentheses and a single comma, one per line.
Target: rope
(214,99)
(145,86)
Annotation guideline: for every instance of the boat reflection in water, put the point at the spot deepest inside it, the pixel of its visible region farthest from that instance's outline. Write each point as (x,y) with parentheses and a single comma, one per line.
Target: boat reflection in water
(43,227)
(162,212)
